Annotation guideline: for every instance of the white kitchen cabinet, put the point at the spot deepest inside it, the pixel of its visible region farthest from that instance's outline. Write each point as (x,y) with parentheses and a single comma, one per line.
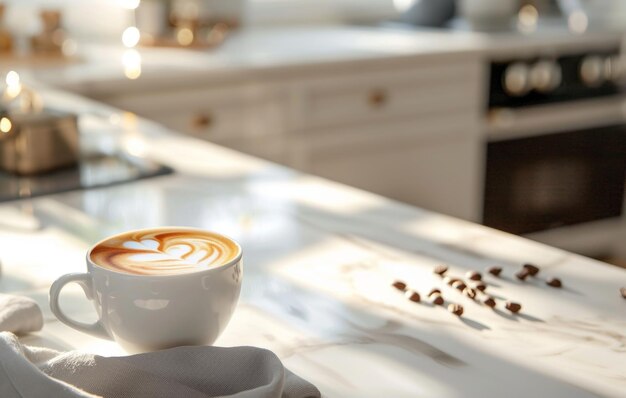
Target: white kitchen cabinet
(431,161)
(411,173)
(399,129)
(408,132)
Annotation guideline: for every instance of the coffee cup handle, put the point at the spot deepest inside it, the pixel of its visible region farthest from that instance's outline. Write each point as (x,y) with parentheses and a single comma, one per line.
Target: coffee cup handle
(84,280)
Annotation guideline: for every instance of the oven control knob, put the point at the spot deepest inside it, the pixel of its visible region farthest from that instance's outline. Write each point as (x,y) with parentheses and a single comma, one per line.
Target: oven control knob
(621,65)
(545,76)
(516,81)
(592,70)
(615,68)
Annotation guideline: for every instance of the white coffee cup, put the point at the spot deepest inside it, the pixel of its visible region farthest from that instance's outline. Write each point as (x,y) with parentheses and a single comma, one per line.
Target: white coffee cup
(152,312)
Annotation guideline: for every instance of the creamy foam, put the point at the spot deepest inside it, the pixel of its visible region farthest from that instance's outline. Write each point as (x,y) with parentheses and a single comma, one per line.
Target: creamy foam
(164,251)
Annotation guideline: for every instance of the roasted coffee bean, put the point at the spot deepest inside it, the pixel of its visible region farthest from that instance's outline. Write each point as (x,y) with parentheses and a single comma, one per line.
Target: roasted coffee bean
(513,307)
(399,285)
(440,270)
(522,274)
(469,292)
(554,282)
(413,296)
(459,284)
(495,271)
(473,275)
(456,309)
(532,269)
(490,302)
(449,280)
(480,286)
(437,299)
(434,291)
(623,292)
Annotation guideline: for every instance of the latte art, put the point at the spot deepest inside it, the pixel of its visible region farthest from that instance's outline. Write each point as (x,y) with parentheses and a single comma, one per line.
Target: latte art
(164,251)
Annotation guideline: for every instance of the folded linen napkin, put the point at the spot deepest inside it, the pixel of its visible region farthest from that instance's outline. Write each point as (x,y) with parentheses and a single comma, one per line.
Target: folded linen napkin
(19,315)
(190,372)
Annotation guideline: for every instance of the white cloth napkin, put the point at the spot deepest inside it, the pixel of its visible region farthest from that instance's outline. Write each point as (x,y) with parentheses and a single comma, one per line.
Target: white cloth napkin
(19,315)
(190,372)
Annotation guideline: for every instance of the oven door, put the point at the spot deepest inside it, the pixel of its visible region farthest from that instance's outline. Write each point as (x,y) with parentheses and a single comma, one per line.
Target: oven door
(547,181)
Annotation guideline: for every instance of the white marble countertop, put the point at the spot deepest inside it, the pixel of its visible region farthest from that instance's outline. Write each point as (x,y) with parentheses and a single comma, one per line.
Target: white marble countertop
(319,261)
(273,53)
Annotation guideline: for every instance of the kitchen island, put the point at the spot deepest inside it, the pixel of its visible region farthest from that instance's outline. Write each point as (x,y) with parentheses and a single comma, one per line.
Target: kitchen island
(320,260)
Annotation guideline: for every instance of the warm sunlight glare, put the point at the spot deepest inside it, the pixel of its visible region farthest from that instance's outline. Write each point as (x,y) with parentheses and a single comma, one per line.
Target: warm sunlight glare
(5,125)
(14,86)
(131,37)
(131,60)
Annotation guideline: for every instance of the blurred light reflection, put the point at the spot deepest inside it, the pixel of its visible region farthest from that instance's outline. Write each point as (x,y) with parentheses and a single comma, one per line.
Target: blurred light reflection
(527,19)
(13,85)
(129,120)
(578,22)
(5,125)
(69,47)
(131,36)
(184,36)
(131,60)
(134,145)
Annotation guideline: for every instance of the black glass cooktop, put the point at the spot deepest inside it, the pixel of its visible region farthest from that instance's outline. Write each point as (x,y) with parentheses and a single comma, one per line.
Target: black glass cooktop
(93,172)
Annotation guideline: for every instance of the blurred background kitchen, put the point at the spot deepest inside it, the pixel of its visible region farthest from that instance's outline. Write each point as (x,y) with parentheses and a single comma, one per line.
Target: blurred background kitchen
(503,112)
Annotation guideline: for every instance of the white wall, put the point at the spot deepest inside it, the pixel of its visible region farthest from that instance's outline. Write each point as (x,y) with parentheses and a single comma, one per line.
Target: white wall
(84,19)
(102,19)
(272,12)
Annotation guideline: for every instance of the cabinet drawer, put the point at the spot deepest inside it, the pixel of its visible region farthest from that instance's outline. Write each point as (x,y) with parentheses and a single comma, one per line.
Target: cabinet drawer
(213,114)
(216,122)
(367,97)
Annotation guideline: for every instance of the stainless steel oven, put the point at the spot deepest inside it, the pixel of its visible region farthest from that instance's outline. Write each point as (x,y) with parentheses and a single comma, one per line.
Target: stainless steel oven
(556,153)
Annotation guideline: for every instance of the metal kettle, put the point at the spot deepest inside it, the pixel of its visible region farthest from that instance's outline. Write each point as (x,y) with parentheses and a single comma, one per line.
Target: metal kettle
(36,141)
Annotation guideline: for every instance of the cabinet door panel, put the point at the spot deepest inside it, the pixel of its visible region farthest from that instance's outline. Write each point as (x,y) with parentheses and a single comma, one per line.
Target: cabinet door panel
(439,175)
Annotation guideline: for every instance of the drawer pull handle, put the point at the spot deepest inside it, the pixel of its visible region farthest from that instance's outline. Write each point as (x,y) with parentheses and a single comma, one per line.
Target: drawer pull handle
(201,121)
(377,98)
